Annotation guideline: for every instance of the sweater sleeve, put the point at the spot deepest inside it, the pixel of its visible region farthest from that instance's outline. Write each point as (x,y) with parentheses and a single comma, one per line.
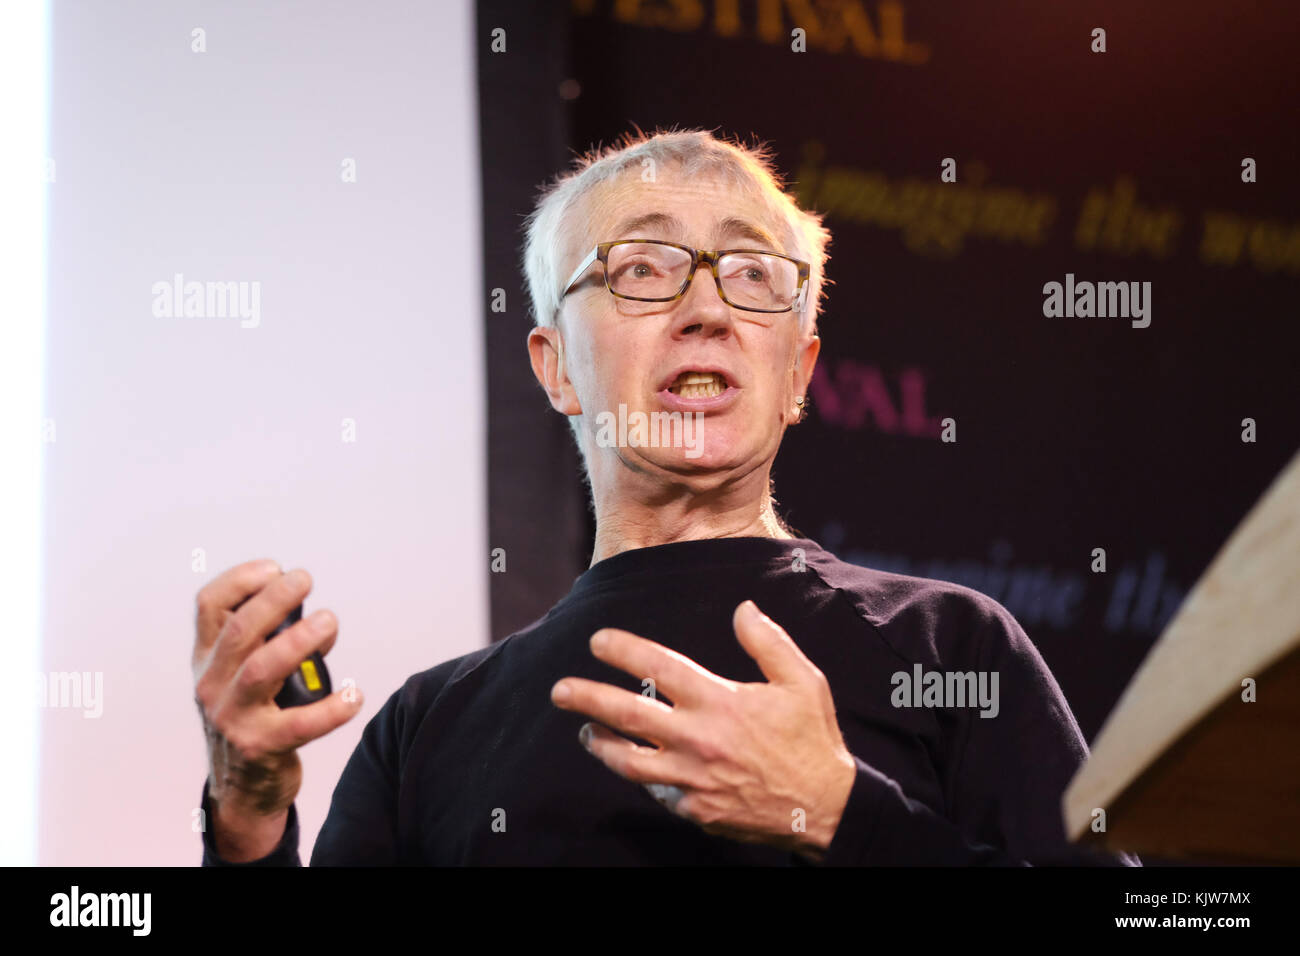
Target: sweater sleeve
(881,826)
(284,854)
(1004,787)
(361,827)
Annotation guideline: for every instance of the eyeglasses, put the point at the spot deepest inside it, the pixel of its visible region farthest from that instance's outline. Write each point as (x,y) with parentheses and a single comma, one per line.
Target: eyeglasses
(652,270)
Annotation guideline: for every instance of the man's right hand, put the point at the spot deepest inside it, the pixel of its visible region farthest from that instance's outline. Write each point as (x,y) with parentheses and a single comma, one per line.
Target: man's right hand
(253,768)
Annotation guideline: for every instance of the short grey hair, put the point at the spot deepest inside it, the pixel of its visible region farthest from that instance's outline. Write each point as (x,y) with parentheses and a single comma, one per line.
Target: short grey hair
(696,151)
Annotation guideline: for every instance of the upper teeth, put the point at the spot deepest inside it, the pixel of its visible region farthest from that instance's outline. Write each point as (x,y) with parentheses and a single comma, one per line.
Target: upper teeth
(698,384)
(698,378)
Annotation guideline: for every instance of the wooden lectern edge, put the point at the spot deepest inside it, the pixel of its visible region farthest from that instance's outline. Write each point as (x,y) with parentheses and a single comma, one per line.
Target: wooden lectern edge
(1087,791)
(1073,807)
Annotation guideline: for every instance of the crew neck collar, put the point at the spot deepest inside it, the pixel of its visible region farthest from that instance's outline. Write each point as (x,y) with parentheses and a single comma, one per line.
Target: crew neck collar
(681,555)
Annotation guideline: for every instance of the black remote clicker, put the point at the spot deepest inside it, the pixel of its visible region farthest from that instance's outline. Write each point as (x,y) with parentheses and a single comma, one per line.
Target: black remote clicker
(311,681)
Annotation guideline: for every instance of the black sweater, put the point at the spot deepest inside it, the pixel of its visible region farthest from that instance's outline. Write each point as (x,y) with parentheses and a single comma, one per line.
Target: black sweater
(470,762)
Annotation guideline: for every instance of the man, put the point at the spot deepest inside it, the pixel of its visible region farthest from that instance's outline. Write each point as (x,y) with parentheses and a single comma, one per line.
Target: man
(714,689)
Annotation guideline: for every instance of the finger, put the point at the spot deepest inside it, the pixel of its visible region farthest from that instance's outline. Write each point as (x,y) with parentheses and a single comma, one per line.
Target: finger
(263,672)
(224,593)
(670,797)
(676,675)
(630,713)
(775,652)
(636,763)
(247,628)
(294,726)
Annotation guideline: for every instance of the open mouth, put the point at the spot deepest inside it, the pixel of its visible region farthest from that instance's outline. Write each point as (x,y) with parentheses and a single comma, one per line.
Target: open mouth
(699,385)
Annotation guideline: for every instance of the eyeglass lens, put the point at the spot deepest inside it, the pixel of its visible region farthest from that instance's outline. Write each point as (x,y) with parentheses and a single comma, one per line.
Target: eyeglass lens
(647,270)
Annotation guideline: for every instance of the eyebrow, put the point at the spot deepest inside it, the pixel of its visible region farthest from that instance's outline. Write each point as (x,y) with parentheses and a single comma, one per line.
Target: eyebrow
(669,224)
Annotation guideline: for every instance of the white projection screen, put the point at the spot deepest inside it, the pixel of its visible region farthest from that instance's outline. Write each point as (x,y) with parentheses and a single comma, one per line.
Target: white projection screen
(262,340)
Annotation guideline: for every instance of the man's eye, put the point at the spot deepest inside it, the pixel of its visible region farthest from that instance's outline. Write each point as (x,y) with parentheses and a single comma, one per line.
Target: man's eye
(748,271)
(637,270)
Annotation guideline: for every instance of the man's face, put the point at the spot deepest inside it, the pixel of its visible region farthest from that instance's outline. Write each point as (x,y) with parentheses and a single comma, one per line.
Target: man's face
(642,355)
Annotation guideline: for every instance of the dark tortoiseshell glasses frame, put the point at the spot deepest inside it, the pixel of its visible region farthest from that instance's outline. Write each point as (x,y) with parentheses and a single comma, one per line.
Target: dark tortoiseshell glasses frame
(601,253)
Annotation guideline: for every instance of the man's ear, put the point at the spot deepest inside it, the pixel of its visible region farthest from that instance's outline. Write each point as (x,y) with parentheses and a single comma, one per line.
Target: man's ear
(804,363)
(546,351)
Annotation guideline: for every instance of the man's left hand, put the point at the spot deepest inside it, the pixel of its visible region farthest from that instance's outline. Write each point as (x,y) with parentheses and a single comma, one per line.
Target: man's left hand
(758,763)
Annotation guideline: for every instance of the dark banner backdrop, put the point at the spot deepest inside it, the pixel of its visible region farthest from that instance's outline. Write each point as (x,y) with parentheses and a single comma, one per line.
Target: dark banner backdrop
(1071,433)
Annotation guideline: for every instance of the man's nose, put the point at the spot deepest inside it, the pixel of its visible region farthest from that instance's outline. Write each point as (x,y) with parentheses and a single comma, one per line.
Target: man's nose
(701,309)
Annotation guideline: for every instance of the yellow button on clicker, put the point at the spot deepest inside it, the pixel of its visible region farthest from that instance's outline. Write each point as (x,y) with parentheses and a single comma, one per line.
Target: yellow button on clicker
(309,675)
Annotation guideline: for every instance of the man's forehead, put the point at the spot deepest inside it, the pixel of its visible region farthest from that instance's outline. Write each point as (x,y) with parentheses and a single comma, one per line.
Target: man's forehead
(705,208)
(666,225)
